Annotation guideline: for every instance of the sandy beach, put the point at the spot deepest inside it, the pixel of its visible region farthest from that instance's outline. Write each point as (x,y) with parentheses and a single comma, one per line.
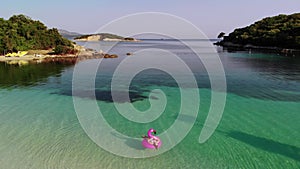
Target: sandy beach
(35,59)
(43,56)
(66,59)
(24,58)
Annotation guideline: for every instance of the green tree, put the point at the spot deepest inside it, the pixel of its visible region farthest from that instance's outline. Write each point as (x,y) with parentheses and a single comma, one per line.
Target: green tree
(278,31)
(221,35)
(20,32)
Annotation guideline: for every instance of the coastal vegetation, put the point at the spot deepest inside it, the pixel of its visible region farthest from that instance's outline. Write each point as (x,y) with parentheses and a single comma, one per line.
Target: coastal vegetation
(21,33)
(282,31)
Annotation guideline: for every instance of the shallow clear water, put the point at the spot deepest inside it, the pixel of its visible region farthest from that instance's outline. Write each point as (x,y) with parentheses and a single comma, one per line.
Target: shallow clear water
(259,128)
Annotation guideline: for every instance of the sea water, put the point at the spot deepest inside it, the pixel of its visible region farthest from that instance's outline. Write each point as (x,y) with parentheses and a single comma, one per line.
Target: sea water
(259,128)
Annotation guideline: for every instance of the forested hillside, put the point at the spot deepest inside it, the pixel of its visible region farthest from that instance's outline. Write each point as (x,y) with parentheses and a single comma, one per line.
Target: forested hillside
(278,31)
(20,33)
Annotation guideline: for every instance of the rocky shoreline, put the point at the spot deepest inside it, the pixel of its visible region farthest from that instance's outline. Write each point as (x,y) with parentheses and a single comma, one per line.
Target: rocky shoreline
(281,51)
(83,54)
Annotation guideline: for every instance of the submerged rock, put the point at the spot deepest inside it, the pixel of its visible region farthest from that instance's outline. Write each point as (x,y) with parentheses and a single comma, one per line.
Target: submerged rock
(110,56)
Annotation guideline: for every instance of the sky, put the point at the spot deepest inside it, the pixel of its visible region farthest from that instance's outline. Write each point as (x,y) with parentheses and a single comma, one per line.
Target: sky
(210,16)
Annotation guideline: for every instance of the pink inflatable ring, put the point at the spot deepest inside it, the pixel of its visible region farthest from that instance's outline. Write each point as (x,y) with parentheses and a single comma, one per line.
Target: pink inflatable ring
(151,141)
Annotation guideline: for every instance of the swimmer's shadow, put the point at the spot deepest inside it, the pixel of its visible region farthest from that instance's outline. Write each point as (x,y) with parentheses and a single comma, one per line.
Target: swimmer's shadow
(131,142)
(134,143)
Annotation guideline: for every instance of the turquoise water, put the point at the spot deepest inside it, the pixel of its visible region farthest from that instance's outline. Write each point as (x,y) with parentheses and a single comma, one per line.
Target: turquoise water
(259,128)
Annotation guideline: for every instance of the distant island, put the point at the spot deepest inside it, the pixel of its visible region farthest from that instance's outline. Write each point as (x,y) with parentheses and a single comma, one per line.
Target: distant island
(68,35)
(278,32)
(103,37)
